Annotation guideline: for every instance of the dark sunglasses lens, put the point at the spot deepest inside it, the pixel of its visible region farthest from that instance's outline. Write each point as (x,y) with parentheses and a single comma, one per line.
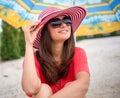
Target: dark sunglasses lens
(55,22)
(67,21)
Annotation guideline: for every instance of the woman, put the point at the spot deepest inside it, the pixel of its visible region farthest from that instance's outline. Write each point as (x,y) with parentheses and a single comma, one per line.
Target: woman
(57,69)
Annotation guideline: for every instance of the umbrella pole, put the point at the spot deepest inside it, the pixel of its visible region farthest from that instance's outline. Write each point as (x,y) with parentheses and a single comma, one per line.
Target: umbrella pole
(73,4)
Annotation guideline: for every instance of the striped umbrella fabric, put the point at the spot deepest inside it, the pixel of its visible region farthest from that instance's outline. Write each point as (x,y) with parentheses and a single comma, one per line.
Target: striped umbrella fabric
(103,16)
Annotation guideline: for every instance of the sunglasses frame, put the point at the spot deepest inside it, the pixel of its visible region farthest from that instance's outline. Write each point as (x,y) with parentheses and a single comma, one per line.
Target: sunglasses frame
(57,22)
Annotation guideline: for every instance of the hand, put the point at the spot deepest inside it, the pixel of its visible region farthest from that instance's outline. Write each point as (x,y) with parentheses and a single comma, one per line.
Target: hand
(30,32)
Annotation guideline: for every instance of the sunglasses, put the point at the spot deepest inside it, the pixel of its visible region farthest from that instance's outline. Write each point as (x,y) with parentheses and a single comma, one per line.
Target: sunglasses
(56,22)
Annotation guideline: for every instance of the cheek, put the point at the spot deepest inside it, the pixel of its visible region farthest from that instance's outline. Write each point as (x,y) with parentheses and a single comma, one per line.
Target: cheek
(52,32)
(70,31)
(69,34)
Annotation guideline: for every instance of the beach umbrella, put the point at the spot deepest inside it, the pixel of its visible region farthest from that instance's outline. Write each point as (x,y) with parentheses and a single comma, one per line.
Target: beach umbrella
(20,12)
(103,16)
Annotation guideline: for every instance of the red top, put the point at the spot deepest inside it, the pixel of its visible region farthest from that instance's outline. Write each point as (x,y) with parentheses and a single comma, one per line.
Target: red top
(78,64)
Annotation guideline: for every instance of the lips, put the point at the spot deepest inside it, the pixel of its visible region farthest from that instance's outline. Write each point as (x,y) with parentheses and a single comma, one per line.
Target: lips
(63,31)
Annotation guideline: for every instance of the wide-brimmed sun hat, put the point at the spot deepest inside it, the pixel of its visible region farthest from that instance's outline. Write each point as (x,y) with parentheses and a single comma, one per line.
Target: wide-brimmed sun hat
(76,13)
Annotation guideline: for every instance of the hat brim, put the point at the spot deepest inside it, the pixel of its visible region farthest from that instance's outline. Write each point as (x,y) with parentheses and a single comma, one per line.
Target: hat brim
(76,13)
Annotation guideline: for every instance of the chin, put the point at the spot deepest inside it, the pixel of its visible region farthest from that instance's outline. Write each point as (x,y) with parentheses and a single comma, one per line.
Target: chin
(64,39)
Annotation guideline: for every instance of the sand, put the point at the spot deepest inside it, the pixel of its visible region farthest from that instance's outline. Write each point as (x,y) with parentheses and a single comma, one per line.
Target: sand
(104,63)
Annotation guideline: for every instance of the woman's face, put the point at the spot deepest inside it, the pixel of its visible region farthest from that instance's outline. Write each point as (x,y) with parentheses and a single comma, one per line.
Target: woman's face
(60,30)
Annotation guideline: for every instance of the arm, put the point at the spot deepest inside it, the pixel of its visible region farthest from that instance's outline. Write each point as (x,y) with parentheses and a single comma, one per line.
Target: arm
(30,82)
(75,89)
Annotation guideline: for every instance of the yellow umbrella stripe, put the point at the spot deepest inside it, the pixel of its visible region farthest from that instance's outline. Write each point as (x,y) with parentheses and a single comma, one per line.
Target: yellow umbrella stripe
(107,27)
(99,13)
(115,9)
(12,18)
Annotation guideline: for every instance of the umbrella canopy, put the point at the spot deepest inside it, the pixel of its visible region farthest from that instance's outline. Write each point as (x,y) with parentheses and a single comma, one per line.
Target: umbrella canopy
(103,15)
(20,12)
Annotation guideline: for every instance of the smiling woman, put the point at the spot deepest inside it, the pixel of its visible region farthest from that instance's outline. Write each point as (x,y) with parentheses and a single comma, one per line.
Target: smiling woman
(57,68)
(60,28)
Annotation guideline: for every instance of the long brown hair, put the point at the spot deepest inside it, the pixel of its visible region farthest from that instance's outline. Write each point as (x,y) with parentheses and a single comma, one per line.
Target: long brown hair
(49,66)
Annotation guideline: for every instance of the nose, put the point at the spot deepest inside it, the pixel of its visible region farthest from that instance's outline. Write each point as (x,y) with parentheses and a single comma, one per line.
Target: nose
(63,24)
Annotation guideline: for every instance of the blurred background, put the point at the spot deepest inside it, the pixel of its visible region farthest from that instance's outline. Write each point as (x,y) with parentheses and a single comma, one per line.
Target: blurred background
(99,35)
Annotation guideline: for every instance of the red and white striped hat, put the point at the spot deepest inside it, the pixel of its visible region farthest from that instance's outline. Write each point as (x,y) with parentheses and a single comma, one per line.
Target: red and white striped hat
(76,13)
